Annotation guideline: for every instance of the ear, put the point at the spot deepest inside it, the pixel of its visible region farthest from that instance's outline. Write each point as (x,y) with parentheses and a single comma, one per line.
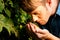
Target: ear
(51,6)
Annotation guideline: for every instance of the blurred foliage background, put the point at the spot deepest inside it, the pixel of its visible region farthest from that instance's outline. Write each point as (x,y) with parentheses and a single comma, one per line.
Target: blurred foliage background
(13,21)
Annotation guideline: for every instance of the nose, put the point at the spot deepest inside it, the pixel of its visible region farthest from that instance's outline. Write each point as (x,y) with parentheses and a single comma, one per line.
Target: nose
(34,17)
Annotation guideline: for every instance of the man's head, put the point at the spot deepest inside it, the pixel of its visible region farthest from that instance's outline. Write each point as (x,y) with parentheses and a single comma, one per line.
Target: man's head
(40,10)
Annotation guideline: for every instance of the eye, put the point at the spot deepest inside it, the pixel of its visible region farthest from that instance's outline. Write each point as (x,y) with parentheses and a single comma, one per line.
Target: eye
(35,13)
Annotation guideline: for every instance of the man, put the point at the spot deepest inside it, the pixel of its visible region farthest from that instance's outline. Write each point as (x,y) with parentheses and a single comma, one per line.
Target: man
(43,12)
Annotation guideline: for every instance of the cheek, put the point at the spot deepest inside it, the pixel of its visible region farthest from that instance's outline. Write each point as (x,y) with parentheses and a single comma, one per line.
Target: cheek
(43,19)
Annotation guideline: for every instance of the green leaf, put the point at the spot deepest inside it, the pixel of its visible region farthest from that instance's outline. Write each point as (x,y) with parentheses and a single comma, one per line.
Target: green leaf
(30,38)
(1,25)
(7,12)
(10,2)
(10,27)
(1,5)
(21,26)
(23,16)
(8,24)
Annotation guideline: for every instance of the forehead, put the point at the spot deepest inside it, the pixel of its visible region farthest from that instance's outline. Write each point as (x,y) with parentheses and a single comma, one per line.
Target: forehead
(37,2)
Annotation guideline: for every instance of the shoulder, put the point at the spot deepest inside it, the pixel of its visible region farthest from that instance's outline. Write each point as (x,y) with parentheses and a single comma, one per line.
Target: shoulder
(54,18)
(57,17)
(58,20)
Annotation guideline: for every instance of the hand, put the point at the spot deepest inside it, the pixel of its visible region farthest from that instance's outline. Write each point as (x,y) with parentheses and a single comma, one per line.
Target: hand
(40,33)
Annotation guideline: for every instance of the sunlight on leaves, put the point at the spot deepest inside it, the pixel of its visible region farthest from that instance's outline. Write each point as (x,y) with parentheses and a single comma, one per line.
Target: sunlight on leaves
(1,5)
(8,24)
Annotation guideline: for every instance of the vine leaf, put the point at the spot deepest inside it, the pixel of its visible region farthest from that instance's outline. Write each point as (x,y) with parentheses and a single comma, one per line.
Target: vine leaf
(7,12)
(1,5)
(8,24)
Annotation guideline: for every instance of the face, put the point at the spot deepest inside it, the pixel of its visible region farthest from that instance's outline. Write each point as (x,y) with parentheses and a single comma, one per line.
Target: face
(42,13)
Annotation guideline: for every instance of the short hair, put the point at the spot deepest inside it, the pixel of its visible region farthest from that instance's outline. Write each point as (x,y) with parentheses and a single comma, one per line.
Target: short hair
(26,5)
